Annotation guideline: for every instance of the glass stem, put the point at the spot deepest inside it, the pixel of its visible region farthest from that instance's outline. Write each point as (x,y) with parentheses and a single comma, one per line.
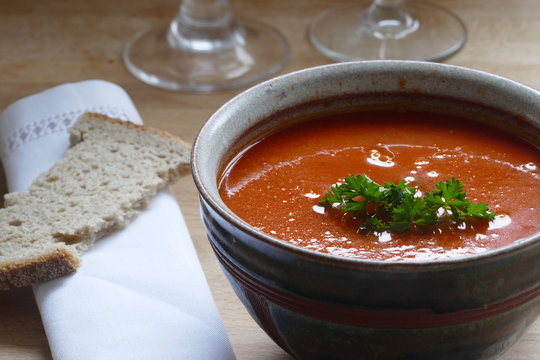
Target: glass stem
(390,19)
(204,26)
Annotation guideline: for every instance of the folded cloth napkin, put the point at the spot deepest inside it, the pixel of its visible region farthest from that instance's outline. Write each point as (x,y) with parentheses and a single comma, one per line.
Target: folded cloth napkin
(139,293)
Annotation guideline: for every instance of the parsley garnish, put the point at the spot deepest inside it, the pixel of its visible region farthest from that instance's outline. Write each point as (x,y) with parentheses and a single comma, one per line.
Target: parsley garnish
(397,207)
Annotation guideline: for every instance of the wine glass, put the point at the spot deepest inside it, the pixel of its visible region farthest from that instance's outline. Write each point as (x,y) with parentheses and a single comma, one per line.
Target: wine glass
(206,48)
(388,29)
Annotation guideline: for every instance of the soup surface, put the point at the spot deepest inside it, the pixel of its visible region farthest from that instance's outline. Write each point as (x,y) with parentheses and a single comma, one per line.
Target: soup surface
(276,183)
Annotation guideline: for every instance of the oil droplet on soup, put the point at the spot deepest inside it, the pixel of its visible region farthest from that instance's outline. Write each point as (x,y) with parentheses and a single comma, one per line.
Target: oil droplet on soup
(276,184)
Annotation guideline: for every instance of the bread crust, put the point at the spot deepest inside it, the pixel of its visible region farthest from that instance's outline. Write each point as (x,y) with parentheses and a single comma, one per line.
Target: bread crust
(130,125)
(57,263)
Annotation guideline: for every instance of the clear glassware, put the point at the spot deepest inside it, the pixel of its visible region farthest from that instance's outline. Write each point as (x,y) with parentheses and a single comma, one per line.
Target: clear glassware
(206,48)
(388,29)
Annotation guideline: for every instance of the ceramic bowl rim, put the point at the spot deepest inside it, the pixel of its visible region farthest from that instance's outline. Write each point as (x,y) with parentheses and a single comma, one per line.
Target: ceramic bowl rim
(519,245)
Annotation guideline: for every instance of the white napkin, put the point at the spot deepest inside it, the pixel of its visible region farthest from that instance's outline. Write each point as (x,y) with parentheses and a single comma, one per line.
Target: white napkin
(139,293)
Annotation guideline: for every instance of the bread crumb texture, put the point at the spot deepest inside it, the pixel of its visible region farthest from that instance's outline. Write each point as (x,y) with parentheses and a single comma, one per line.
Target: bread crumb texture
(108,175)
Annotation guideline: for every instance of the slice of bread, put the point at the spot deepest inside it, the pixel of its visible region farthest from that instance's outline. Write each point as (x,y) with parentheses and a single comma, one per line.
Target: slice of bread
(109,174)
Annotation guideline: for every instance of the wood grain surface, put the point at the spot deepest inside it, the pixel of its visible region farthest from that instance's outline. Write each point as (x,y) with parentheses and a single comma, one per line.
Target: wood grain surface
(46,43)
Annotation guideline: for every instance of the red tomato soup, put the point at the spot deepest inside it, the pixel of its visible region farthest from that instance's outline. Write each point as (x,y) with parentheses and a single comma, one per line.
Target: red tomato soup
(276,183)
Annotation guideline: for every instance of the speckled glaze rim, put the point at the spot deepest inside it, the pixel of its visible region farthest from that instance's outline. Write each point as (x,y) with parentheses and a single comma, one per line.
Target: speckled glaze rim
(204,185)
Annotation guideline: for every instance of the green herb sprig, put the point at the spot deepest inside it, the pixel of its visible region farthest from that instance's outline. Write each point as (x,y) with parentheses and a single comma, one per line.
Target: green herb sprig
(396,207)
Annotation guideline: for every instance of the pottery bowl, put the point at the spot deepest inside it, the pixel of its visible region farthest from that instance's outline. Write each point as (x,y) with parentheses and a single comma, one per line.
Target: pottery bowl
(320,306)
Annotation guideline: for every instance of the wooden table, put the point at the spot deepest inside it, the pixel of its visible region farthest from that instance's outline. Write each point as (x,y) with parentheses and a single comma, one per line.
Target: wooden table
(45,43)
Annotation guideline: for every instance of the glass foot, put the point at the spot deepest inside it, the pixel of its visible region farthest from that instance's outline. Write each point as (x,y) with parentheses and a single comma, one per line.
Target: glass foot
(351,33)
(258,52)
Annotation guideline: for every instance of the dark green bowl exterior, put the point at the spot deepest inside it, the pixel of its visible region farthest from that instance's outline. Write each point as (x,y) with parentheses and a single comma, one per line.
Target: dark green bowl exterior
(314,310)
(318,306)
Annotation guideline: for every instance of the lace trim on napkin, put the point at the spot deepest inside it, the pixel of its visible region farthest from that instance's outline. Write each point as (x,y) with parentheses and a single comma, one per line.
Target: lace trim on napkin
(55,124)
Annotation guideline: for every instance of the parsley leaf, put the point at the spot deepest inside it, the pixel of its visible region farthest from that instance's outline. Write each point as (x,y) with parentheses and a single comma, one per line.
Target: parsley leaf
(355,193)
(397,207)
